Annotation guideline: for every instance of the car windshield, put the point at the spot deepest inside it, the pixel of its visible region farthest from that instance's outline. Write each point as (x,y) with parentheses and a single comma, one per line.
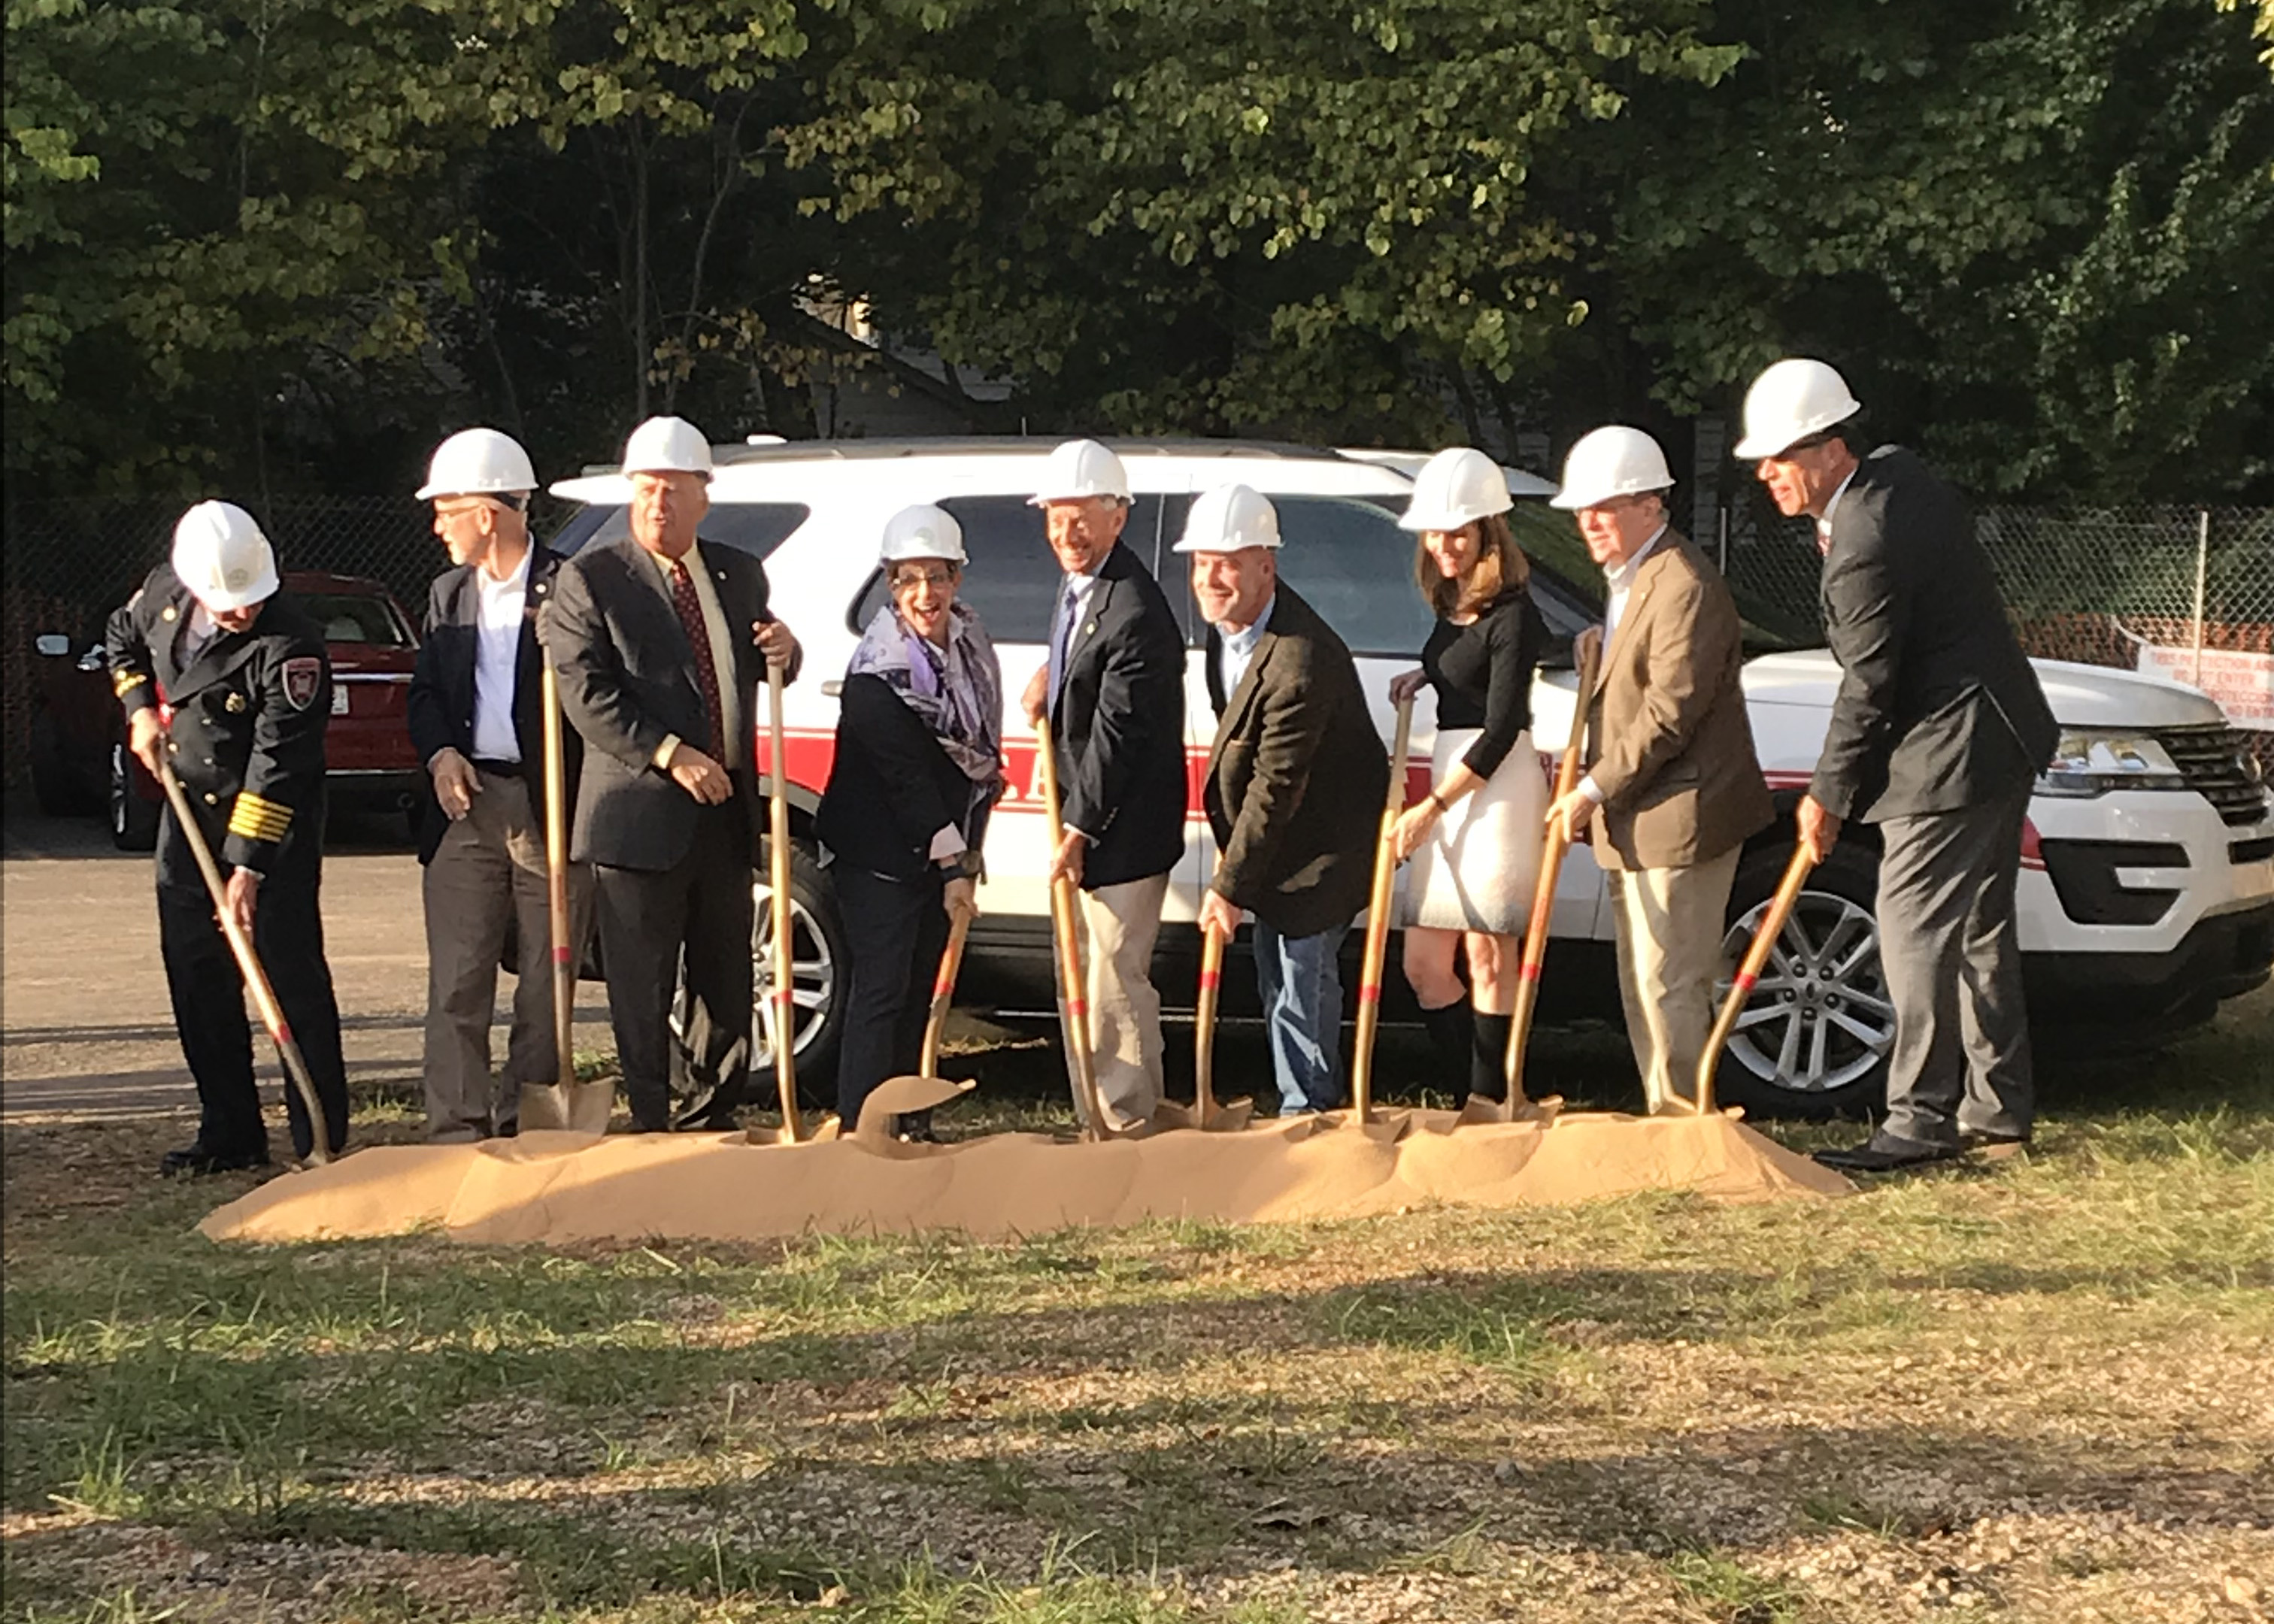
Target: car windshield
(356,617)
(755,528)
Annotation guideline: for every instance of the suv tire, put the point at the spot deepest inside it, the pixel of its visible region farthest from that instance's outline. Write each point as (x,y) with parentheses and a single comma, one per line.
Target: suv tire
(1814,1037)
(823,974)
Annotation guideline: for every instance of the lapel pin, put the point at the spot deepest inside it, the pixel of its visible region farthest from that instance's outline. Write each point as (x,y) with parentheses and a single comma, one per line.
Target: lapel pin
(235,703)
(166,613)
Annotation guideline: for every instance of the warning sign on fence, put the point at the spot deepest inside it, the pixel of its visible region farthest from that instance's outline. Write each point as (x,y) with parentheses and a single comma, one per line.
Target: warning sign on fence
(2243,684)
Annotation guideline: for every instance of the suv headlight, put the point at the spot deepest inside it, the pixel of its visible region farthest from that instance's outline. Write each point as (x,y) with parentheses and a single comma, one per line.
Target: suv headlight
(2092,762)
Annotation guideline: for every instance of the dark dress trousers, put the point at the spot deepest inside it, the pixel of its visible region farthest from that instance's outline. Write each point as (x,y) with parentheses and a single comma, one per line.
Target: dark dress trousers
(1939,730)
(486,875)
(1118,725)
(670,876)
(1296,777)
(246,739)
(890,789)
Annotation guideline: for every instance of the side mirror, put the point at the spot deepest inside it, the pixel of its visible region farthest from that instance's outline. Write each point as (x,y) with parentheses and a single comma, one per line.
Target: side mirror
(53,644)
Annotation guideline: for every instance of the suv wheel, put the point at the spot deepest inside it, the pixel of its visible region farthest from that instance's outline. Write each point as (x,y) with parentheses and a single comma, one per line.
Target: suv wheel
(1814,1039)
(133,821)
(820,972)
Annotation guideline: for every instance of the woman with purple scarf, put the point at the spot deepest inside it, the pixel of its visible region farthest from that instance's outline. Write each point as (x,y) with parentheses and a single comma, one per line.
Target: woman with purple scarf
(919,765)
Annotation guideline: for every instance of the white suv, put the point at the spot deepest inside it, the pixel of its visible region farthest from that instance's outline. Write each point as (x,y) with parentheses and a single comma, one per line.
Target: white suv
(2146,893)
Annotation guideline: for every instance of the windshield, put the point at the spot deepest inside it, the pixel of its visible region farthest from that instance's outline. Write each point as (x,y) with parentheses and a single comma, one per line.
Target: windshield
(357,617)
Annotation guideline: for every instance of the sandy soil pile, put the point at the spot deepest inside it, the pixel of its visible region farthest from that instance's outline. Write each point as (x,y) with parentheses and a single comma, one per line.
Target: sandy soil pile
(567,1187)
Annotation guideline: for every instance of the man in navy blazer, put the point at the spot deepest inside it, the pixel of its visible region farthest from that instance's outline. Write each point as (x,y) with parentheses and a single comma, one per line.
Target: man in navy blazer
(476,712)
(1113,689)
(1938,733)
(661,641)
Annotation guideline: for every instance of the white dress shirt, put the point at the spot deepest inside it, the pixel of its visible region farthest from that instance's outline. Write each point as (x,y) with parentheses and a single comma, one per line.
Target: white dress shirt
(1237,652)
(1618,580)
(497,661)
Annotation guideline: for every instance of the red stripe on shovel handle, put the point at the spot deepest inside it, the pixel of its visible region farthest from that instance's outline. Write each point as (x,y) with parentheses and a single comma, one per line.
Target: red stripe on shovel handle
(283,1032)
(1077,1008)
(560,954)
(1210,979)
(942,985)
(1744,981)
(1369,992)
(1529,970)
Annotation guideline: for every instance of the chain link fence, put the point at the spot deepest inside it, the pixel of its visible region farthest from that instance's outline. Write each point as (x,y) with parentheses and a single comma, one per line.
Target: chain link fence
(69,564)
(2182,593)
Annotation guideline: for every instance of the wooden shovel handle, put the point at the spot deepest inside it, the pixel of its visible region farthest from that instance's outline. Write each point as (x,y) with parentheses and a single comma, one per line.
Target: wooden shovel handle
(1377,922)
(943,992)
(556,885)
(784,989)
(1749,972)
(1204,1024)
(1074,1003)
(1543,893)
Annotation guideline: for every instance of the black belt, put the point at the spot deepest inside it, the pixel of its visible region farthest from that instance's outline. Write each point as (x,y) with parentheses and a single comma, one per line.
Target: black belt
(498,769)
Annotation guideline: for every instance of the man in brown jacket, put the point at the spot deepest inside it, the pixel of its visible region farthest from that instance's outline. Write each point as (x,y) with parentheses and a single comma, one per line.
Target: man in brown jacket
(1670,754)
(1294,781)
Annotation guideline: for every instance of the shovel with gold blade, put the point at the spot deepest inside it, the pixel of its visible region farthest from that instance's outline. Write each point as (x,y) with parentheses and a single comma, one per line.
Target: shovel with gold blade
(1514,1107)
(1376,952)
(1204,1113)
(782,997)
(1073,1000)
(580,1107)
(1749,972)
(924,1088)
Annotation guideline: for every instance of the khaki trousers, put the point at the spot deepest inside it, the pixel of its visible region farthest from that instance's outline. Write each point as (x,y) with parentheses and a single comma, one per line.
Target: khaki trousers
(1119,924)
(489,872)
(1670,926)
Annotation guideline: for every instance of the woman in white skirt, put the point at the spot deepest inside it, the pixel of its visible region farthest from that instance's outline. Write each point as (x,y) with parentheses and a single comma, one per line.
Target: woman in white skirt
(1475,839)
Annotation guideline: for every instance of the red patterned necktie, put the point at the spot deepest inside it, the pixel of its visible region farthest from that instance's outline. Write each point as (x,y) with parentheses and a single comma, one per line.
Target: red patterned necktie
(706,670)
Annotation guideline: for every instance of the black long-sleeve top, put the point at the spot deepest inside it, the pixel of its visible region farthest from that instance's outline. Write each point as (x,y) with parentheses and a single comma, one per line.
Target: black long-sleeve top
(1482,675)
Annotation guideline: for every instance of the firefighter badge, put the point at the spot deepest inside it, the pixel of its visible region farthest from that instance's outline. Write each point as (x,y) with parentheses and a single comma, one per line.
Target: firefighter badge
(302,678)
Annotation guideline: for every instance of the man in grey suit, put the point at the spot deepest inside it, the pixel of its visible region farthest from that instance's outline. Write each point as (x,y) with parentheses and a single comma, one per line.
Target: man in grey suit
(1938,732)
(661,641)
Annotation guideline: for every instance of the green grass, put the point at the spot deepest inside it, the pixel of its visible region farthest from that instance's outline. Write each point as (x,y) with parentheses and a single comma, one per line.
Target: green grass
(1642,1409)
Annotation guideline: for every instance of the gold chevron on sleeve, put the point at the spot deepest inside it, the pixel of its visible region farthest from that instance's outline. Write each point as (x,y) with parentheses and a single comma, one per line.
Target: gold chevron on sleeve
(122,683)
(257,818)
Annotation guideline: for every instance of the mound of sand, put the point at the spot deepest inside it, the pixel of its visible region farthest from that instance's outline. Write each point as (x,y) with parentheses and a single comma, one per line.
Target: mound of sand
(570,1187)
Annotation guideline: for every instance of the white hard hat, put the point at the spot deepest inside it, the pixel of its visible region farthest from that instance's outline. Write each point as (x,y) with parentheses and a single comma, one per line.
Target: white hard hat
(923,532)
(1456,488)
(668,445)
(1230,519)
(478,462)
(221,555)
(1791,401)
(1611,462)
(1078,468)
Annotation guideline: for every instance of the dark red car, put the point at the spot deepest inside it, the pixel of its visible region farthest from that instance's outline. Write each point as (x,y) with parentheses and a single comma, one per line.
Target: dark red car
(79,761)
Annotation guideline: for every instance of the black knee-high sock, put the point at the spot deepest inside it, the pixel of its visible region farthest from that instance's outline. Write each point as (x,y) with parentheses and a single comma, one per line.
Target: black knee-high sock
(1449,1040)
(1488,1060)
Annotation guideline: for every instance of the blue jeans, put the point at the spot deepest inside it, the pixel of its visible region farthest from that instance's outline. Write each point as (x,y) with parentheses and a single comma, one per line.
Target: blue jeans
(1302,988)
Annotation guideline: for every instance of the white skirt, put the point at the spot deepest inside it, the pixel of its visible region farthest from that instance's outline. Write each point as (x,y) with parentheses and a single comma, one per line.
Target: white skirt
(1478,866)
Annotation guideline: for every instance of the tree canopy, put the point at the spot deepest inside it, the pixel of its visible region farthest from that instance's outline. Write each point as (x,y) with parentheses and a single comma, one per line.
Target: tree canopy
(273,243)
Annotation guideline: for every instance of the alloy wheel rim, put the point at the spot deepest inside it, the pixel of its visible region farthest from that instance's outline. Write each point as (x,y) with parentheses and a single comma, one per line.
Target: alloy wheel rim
(1819,1020)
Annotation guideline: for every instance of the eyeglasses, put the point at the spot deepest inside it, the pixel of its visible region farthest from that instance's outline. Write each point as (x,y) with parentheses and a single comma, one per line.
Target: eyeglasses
(904,579)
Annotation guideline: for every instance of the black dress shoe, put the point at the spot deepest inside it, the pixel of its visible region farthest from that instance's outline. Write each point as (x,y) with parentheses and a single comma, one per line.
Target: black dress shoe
(196,1161)
(1993,1146)
(1885,1152)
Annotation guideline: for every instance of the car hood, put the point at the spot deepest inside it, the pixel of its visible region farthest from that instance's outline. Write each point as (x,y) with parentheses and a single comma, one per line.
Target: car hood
(2080,695)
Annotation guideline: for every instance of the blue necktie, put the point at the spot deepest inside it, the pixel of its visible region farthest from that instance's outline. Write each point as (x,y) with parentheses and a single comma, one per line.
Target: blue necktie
(1061,638)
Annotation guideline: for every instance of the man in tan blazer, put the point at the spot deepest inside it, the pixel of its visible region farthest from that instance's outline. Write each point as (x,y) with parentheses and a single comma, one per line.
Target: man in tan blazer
(1673,785)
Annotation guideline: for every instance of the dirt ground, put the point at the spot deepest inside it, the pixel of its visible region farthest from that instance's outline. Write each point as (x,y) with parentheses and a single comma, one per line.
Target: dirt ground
(2038,1392)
